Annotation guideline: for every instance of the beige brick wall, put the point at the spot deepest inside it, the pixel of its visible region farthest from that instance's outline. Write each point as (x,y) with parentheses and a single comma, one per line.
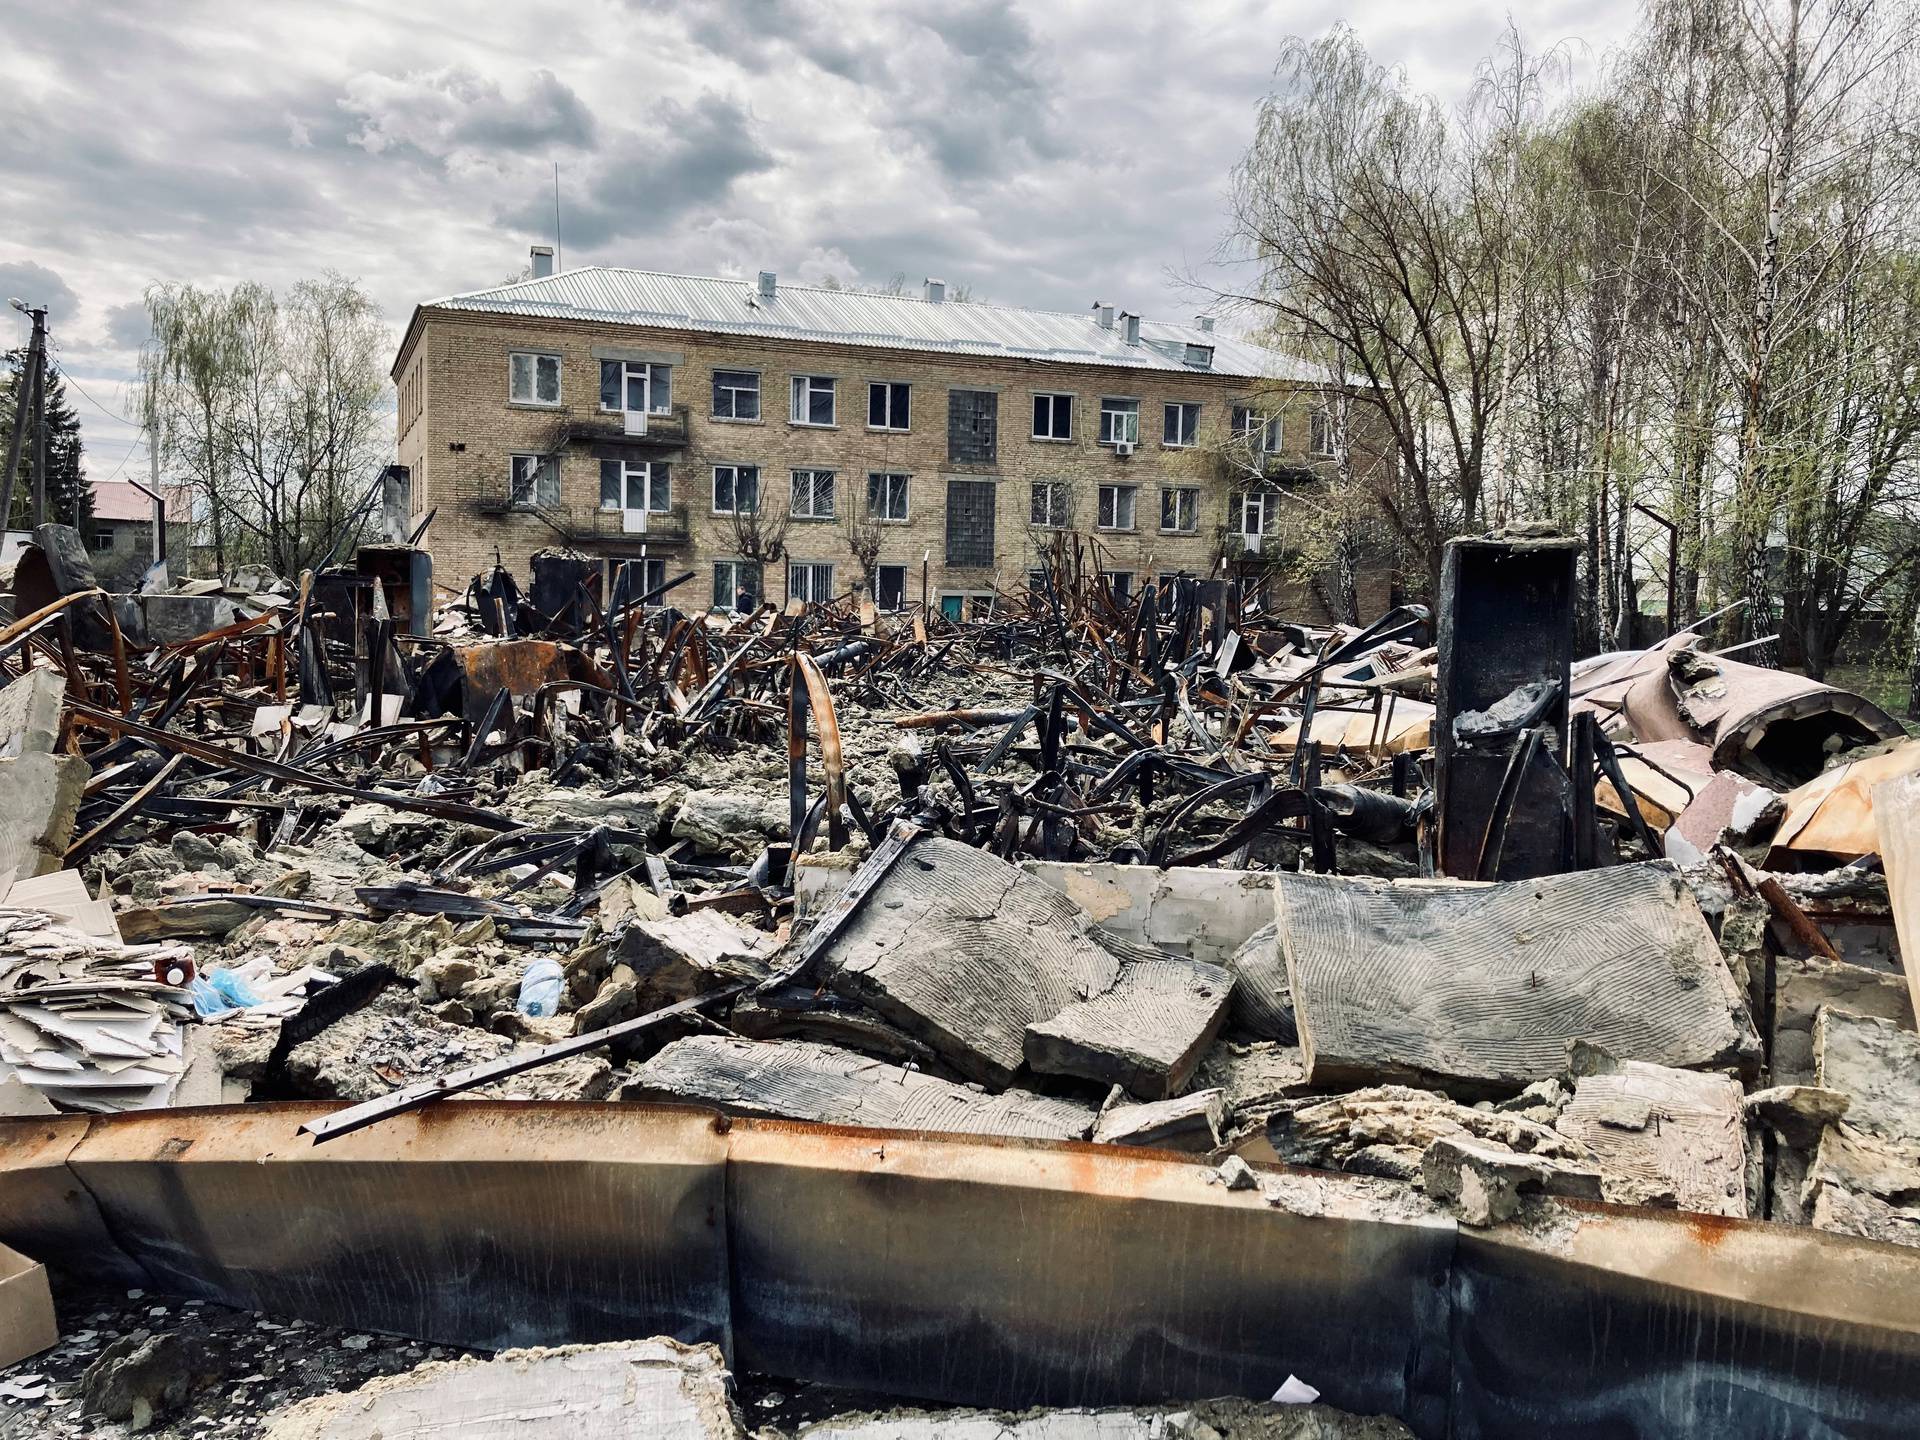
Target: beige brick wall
(459,445)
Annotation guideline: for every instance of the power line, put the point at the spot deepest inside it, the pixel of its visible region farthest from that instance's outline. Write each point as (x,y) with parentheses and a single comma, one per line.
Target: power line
(124,458)
(110,414)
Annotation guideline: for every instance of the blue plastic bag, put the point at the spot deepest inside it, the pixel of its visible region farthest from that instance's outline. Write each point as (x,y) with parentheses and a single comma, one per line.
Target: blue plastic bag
(540,989)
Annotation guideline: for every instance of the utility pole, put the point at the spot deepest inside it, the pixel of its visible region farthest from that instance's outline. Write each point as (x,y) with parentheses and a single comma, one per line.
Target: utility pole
(39,512)
(31,383)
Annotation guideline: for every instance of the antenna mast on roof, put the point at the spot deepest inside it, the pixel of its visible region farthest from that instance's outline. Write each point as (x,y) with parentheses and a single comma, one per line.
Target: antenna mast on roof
(557,263)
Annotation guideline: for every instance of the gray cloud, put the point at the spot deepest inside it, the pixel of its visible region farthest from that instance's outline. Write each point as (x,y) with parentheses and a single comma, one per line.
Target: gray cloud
(685,156)
(453,115)
(37,285)
(128,325)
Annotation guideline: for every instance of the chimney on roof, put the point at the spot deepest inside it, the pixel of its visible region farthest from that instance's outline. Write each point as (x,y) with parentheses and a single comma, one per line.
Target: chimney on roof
(1103,312)
(769,283)
(1131,323)
(542,258)
(1205,322)
(936,290)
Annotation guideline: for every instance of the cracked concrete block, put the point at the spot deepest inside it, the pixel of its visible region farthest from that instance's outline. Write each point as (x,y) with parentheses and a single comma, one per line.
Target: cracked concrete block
(1798,1113)
(39,800)
(1191,1123)
(1262,1001)
(686,955)
(30,713)
(1802,987)
(735,823)
(1876,1064)
(1663,1136)
(1485,1181)
(657,1388)
(1479,988)
(798,1080)
(1145,1032)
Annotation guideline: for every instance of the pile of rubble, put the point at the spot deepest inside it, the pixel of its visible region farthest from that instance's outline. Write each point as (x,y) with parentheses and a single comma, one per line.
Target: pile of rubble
(1425,902)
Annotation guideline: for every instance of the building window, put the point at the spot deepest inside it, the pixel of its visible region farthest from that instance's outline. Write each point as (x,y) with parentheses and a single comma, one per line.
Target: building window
(890,587)
(1262,431)
(736,489)
(887,497)
(813,400)
(970,515)
(736,395)
(812,495)
(103,537)
(634,485)
(1180,509)
(1053,417)
(633,580)
(629,386)
(811,581)
(1037,580)
(1116,506)
(534,480)
(1052,505)
(1258,512)
(973,426)
(1119,422)
(887,407)
(533,379)
(736,585)
(1180,425)
(1119,583)
(1320,432)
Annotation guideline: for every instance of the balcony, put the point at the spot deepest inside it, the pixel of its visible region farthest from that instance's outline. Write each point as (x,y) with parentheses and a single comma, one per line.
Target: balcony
(664,431)
(605,526)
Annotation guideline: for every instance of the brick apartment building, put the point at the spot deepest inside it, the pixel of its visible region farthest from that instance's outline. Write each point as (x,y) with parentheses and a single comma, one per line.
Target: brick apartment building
(816,443)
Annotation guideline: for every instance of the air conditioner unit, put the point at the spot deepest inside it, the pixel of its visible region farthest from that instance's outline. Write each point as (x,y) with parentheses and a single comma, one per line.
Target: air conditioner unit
(636,422)
(1123,448)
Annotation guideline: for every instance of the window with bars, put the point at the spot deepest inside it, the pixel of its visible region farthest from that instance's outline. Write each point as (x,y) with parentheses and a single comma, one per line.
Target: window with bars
(1116,506)
(1052,505)
(973,423)
(813,400)
(1119,421)
(1053,417)
(1180,425)
(1180,509)
(887,497)
(888,406)
(811,581)
(812,495)
(736,489)
(533,481)
(736,395)
(533,379)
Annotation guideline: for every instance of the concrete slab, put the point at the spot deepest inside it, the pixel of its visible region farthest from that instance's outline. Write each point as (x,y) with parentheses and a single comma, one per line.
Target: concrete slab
(30,713)
(797,1080)
(1876,1064)
(1663,1136)
(1479,988)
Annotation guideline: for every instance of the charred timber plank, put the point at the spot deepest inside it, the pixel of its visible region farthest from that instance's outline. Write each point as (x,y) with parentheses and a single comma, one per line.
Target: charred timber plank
(1478,988)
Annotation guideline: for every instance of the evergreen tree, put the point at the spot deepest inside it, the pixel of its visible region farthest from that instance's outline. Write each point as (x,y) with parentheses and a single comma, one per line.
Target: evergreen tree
(69,492)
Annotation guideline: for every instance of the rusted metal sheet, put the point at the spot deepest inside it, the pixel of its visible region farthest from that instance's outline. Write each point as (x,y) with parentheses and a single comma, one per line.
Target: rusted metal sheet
(519,666)
(979,1270)
(1011,1273)
(474,1223)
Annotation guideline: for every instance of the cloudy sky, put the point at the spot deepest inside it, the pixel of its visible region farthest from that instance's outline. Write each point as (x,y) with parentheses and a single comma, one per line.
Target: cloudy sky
(1042,153)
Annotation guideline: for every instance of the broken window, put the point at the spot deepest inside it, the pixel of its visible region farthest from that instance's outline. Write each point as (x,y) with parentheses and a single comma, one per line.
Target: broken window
(533,379)
(1180,425)
(736,585)
(1180,508)
(736,489)
(890,587)
(973,423)
(533,481)
(813,400)
(812,495)
(1053,417)
(811,581)
(634,485)
(1052,505)
(1116,506)
(1119,422)
(887,497)
(1320,432)
(1263,431)
(736,395)
(970,522)
(887,407)
(629,385)
(1119,583)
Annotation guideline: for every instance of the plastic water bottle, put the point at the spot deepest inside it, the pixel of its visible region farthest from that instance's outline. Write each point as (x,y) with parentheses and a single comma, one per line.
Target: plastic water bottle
(540,989)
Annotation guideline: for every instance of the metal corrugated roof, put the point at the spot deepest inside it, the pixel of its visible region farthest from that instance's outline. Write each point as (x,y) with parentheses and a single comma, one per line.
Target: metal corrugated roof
(894,322)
